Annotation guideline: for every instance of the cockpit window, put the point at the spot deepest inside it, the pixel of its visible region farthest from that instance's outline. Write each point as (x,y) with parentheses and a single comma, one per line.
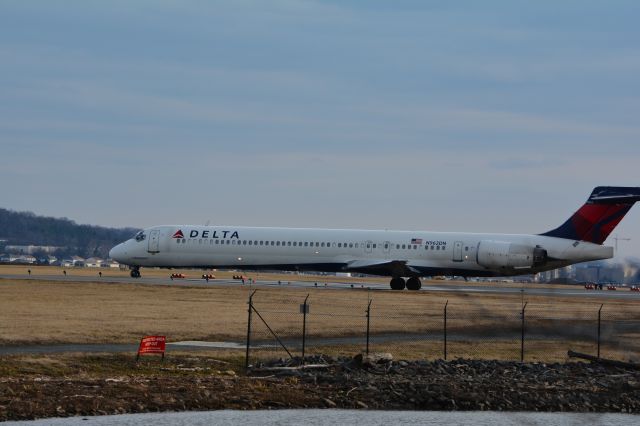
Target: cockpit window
(140,236)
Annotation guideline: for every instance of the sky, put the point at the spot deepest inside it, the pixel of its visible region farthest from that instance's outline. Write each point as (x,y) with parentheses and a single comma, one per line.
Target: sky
(493,116)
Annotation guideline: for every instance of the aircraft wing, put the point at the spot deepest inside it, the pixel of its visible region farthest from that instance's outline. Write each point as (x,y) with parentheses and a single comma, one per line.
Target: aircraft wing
(381,267)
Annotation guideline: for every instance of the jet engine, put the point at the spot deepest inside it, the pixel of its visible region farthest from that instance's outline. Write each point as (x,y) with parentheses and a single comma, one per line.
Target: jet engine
(503,254)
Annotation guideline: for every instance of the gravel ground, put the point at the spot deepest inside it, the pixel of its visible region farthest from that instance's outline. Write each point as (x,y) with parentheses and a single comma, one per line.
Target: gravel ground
(367,383)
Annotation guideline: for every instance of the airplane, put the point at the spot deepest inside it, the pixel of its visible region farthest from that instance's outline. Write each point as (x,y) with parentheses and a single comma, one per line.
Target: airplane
(396,254)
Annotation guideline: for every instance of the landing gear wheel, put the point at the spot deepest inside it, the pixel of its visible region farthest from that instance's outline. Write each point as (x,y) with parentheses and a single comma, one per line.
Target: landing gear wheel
(414,283)
(397,284)
(135,272)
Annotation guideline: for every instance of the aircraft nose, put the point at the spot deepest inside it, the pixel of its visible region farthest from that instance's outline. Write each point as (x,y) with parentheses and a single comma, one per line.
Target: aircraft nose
(117,253)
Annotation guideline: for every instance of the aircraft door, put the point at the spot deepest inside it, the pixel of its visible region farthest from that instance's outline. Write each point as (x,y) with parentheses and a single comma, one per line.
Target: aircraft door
(457,251)
(368,247)
(154,241)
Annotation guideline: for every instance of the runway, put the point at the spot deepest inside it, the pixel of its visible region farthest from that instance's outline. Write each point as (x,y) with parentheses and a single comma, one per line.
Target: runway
(428,286)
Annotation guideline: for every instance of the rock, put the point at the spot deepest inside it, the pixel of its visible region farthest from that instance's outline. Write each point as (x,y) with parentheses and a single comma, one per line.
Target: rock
(373,358)
(329,403)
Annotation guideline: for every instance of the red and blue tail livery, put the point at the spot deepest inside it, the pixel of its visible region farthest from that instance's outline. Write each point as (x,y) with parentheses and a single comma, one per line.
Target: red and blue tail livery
(597,218)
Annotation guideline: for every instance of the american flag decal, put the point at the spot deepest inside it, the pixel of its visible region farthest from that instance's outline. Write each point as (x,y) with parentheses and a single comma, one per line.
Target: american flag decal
(416,241)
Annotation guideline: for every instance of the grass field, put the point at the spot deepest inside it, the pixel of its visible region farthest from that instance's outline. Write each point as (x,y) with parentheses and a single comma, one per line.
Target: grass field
(479,325)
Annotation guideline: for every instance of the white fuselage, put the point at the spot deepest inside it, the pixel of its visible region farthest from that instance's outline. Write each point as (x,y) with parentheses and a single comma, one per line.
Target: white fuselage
(400,253)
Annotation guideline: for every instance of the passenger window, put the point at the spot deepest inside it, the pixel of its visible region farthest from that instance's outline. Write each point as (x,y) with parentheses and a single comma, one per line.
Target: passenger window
(403,246)
(466,248)
(375,245)
(322,245)
(356,245)
(350,245)
(306,244)
(250,242)
(289,243)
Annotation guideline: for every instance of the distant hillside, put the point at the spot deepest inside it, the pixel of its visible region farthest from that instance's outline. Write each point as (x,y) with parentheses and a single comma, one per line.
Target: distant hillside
(84,240)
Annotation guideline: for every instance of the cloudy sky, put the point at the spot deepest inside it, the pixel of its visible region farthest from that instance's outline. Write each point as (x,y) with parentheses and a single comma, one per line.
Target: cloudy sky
(497,116)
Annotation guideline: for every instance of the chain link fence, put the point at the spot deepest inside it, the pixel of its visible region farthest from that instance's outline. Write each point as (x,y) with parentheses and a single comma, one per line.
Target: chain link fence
(527,331)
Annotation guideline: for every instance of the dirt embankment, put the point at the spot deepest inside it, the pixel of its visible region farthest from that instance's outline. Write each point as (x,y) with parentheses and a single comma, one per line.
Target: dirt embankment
(33,387)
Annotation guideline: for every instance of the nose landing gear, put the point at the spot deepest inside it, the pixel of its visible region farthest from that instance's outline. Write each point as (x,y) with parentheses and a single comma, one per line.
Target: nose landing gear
(135,272)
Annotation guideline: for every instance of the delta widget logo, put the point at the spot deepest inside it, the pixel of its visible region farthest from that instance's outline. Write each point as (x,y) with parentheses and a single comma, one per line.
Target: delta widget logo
(178,234)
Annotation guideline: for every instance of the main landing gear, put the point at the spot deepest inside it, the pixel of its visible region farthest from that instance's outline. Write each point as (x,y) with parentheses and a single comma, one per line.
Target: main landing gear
(412,283)
(135,272)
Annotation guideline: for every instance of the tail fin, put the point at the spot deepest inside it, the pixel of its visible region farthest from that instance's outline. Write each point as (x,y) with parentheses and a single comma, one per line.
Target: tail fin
(597,218)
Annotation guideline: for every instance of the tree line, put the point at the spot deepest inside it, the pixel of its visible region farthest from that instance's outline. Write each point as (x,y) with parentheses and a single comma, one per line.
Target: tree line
(24,228)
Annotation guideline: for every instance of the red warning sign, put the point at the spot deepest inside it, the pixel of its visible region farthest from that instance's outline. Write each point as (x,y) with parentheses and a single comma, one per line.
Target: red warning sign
(152,345)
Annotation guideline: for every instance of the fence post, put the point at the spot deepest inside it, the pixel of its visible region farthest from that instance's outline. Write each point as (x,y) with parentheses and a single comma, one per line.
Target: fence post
(522,334)
(445,329)
(368,324)
(599,316)
(304,325)
(246,359)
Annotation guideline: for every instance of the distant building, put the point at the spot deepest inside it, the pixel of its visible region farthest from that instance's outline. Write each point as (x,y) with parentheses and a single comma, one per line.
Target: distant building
(77,261)
(72,261)
(30,249)
(22,259)
(110,264)
(93,262)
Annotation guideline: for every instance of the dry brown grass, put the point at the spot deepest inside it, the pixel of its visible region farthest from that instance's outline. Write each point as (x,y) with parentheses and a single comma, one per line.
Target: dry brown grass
(40,311)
